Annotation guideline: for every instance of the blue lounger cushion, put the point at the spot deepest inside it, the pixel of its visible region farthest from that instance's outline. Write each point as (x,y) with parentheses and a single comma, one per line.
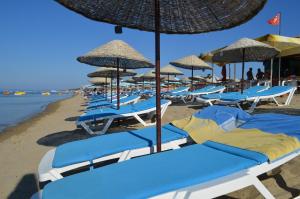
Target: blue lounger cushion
(248,92)
(272,91)
(126,109)
(114,103)
(151,175)
(100,146)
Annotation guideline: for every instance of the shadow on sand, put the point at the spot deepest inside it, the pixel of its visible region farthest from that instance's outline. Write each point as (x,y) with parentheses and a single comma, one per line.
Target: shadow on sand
(281,110)
(27,186)
(58,138)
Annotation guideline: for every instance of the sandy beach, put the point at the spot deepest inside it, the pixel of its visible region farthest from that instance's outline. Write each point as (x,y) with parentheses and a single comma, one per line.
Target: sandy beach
(22,147)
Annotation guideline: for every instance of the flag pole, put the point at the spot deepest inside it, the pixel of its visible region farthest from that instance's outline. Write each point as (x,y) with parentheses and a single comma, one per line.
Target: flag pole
(279,29)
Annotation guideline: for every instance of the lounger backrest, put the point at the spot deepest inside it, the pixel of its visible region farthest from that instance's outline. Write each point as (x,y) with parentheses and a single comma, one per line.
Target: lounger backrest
(276,90)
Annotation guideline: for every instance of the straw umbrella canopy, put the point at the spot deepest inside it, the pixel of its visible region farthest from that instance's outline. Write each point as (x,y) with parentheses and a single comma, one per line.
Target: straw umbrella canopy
(99,80)
(245,50)
(170,70)
(177,17)
(117,54)
(112,73)
(191,62)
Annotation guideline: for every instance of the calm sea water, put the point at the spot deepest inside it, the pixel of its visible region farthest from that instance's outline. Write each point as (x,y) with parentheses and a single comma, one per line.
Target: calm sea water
(15,109)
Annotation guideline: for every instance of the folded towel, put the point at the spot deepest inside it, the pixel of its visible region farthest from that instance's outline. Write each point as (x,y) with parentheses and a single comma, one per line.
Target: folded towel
(273,146)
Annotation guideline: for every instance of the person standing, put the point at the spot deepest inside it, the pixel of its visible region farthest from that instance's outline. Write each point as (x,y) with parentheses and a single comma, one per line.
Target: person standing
(259,74)
(250,74)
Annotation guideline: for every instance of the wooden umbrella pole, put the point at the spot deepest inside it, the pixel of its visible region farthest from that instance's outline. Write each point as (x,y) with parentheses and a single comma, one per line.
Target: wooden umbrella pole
(143,84)
(157,75)
(243,71)
(168,81)
(111,86)
(118,84)
(106,87)
(192,80)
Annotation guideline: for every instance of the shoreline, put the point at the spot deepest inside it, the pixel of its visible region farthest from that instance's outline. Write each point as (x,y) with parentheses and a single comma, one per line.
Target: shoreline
(26,123)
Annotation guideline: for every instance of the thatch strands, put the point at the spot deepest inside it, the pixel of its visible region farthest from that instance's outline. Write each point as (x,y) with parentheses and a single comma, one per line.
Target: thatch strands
(254,51)
(191,62)
(99,80)
(109,54)
(170,70)
(176,16)
(111,72)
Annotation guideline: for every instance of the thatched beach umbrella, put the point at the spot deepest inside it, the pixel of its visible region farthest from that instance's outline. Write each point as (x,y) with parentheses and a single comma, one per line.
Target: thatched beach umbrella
(112,73)
(191,62)
(245,50)
(170,70)
(99,81)
(117,54)
(175,17)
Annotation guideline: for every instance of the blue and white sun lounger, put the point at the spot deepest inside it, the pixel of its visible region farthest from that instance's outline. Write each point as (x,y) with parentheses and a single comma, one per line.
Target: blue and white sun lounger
(132,99)
(104,99)
(121,146)
(204,91)
(205,170)
(210,98)
(109,114)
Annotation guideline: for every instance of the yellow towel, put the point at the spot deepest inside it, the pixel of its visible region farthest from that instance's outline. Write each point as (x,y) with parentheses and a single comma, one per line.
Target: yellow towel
(272,145)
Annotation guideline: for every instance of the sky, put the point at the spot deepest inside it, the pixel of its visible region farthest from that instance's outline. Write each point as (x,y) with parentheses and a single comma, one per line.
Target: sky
(40,40)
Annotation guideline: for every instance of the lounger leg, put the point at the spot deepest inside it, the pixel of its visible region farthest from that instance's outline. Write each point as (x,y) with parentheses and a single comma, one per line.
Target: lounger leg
(210,103)
(254,105)
(276,102)
(87,128)
(138,118)
(262,189)
(105,128)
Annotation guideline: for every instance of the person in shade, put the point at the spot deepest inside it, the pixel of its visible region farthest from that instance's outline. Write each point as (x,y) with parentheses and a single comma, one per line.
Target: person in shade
(250,74)
(259,75)
(223,72)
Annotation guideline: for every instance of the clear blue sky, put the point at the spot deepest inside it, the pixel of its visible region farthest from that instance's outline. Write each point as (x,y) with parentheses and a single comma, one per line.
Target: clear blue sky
(40,40)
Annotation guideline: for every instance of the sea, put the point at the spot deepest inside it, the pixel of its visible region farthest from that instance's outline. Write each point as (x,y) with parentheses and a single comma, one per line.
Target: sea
(15,109)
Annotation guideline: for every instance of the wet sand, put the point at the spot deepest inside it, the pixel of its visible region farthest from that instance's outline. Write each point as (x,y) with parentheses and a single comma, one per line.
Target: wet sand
(22,147)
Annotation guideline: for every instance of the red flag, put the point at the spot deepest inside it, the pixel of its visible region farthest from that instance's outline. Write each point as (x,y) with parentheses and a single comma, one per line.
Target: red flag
(275,21)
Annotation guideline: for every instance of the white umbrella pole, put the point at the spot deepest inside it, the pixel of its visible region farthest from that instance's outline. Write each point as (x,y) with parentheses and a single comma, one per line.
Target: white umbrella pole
(279,68)
(271,72)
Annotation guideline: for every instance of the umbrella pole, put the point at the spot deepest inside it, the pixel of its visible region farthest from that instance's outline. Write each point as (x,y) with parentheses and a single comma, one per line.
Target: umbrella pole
(243,71)
(118,84)
(279,68)
(192,80)
(168,81)
(271,72)
(212,75)
(157,74)
(143,84)
(111,86)
(106,87)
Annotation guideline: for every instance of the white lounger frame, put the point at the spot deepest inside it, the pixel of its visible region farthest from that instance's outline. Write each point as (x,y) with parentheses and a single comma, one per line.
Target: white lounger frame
(193,95)
(47,173)
(256,100)
(226,184)
(111,118)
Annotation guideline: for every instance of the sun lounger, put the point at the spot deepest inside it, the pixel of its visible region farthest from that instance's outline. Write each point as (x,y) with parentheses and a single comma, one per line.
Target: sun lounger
(108,115)
(126,145)
(104,99)
(204,91)
(201,171)
(216,97)
(121,146)
(124,101)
